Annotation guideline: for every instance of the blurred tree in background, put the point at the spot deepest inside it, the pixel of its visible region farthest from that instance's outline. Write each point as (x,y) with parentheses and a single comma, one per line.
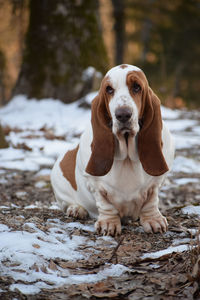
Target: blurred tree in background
(167,33)
(119,28)
(2,75)
(3,142)
(64,38)
(14,16)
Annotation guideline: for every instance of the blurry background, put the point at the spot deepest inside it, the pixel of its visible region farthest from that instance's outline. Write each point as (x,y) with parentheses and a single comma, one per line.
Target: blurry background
(46,46)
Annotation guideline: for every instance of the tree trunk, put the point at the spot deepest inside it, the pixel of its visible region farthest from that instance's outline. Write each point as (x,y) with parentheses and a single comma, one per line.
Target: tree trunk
(2,75)
(63,39)
(145,37)
(119,27)
(3,143)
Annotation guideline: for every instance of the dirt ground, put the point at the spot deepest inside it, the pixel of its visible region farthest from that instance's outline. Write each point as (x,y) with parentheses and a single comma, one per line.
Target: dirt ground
(172,276)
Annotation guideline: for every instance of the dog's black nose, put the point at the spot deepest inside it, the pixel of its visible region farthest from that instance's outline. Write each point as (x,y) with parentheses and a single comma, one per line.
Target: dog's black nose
(123,114)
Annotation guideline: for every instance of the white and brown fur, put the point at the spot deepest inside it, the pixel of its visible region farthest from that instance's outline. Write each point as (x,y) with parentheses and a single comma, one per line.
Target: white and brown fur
(121,161)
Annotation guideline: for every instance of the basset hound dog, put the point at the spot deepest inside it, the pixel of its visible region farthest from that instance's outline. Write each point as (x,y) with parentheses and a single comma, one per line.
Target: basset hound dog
(122,159)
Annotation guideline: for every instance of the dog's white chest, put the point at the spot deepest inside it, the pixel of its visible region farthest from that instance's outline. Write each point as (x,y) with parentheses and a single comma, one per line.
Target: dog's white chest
(125,186)
(127,177)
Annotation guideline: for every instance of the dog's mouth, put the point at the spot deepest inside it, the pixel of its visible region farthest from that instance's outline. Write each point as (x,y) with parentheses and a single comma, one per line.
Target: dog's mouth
(126,131)
(126,135)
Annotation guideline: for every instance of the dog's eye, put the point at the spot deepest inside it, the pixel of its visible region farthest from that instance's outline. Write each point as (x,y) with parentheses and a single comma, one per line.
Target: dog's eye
(136,87)
(109,90)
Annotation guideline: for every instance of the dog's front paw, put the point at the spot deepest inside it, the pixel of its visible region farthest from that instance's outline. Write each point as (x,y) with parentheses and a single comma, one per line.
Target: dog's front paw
(77,212)
(154,224)
(108,225)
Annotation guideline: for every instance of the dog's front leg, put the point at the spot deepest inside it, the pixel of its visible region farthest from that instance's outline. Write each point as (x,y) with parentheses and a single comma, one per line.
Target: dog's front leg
(108,222)
(150,217)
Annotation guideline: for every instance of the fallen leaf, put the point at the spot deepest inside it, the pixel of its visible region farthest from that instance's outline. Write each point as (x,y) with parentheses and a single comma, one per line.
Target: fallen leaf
(34,267)
(44,269)
(36,246)
(52,265)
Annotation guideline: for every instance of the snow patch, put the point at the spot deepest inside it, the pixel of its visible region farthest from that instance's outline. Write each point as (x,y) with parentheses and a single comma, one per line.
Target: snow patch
(191,210)
(168,113)
(40,184)
(80,226)
(89,73)
(180,125)
(185,141)
(62,119)
(186,165)
(169,250)
(43,172)
(183,181)
(3,228)
(47,113)
(26,289)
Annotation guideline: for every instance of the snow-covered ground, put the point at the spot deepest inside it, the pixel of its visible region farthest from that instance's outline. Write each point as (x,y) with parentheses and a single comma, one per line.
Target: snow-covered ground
(49,127)
(38,132)
(30,252)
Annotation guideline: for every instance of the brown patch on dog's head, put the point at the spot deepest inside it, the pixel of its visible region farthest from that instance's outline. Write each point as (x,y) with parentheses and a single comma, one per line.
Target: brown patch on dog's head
(123,66)
(136,77)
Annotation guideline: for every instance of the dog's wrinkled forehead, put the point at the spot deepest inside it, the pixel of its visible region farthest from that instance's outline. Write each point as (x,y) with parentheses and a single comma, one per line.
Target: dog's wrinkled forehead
(117,75)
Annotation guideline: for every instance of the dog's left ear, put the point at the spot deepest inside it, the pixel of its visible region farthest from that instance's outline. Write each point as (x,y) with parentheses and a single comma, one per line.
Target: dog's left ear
(102,147)
(150,136)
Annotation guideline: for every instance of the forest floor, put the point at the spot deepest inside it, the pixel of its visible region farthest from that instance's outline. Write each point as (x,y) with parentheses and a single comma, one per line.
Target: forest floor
(45,255)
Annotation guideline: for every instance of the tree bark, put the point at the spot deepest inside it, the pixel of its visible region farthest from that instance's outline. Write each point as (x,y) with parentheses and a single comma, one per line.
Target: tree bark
(3,143)
(2,75)
(63,39)
(119,27)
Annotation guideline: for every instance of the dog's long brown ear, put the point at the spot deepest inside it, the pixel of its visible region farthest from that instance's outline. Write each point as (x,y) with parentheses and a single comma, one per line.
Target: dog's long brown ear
(150,136)
(102,156)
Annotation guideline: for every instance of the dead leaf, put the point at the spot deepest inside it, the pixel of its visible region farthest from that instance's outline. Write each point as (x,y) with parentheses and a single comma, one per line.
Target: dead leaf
(34,267)
(156,281)
(22,146)
(36,246)
(52,265)
(67,264)
(18,270)
(44,269)
(100,287)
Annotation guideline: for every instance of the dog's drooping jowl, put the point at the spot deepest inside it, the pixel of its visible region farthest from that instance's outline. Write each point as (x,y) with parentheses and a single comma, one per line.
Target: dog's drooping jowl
(122,159)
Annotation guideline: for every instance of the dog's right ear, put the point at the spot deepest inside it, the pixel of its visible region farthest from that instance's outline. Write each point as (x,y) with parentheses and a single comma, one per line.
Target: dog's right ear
(102,156)
(150,136)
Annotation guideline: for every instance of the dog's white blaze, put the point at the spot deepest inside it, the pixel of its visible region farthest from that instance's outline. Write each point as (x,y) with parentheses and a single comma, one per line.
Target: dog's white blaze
(122,96)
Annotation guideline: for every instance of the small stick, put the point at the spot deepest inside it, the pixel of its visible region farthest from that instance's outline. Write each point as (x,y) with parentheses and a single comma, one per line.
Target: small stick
(116,248)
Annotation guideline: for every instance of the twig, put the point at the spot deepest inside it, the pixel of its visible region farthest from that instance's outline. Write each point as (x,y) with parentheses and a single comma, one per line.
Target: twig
(116,248)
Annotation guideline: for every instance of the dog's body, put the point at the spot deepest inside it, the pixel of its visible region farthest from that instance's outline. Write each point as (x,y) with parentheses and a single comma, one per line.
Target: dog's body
(119,166)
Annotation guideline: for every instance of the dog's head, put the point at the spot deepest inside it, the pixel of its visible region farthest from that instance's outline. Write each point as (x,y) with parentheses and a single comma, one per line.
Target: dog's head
(125,106)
